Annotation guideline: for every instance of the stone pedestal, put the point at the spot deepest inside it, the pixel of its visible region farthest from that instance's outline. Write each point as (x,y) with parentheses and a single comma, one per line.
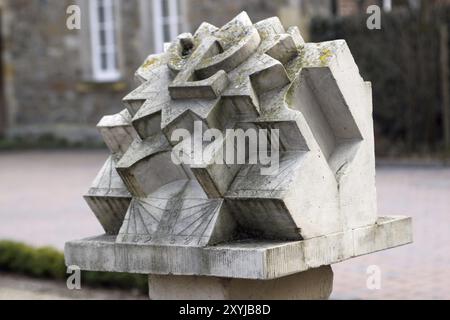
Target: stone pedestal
(314,284)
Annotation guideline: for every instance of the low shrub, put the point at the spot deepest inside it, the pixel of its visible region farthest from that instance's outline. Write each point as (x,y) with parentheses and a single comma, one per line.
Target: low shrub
(48,263)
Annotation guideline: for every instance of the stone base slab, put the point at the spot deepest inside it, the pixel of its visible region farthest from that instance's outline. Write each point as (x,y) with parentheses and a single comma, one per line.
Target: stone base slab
(314,284)
(263,260)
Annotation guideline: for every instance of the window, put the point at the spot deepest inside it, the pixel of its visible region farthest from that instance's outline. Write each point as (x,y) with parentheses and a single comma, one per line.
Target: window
(167,21)
(103,40)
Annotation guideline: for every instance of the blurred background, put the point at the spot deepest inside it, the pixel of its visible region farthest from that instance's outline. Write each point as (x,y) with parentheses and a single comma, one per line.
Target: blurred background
(56,82)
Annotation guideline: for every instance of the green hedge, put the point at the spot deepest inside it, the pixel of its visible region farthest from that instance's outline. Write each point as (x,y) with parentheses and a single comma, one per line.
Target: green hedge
(48,263)
(403,63)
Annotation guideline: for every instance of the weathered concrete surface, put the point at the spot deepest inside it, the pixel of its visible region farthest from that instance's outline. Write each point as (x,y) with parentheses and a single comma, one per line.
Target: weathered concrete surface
(314,284)
(108,197)
(250,259)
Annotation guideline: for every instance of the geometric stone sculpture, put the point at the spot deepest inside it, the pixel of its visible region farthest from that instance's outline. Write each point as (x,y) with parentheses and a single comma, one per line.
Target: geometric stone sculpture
(108,198)
(167,211)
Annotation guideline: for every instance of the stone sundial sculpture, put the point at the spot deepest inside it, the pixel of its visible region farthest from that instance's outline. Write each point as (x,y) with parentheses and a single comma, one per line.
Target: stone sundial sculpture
(214,229)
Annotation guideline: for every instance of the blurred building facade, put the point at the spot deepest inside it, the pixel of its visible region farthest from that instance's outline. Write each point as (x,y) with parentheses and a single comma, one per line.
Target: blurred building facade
(58,81)
(352,7)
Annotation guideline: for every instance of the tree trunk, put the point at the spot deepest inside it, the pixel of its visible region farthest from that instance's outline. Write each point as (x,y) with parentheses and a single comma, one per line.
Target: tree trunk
(445,85)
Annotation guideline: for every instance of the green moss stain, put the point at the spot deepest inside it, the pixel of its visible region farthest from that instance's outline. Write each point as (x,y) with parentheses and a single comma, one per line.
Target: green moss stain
(325,56)
(150,62)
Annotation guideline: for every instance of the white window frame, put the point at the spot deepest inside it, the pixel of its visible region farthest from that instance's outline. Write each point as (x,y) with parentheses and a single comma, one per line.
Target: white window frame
(173,20)
(111,72)
(387,5)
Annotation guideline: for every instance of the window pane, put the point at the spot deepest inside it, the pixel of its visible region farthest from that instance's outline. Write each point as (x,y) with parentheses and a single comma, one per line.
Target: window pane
(165,8)
(166,31)
(101,12)
(104,59)
(179,7)
(102,37)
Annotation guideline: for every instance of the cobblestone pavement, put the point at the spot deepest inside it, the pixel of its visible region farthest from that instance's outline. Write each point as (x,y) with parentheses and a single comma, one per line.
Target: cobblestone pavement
(417,271)
(41,204)
(41,196)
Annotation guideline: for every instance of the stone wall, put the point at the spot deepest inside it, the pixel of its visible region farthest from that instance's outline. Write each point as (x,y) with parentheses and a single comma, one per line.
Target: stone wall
(47,91)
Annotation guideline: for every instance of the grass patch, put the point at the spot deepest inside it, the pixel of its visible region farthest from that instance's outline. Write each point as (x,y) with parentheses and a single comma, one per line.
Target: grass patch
(48,263)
